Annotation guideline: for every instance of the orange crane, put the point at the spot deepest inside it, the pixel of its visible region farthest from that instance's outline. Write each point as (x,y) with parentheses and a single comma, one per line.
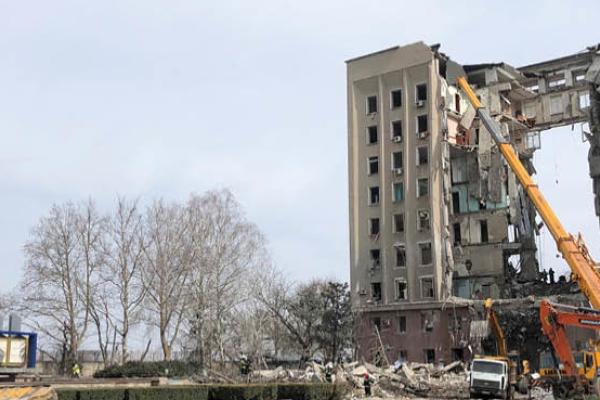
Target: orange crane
(553,317)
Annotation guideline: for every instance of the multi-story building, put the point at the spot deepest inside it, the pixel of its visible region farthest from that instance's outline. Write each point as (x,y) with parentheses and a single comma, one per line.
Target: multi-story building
(435,214)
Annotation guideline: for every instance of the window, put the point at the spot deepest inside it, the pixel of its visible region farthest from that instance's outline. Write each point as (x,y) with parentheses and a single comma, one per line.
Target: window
(371,104)
(458,354)
(529,109)
(396,98)
(457,102)
(483,227)
(397,131)
(403,355)
(398,223)
(459,170)
(374,195)
(429,356)
(401,289)
(425,250)
(422,155)
(455,203)
(457,235)
(374,226)
(556,81)
(427,290)
(376,322)
(373,165)
(372,134)
(376,291)
(400,251)
(397,161)
(422,187)
(422,126)
(427,321)
(534,87)
(584,100)
(556,106)
(421,92)
(578,76)
(486,290)
(398,191)
(422,220)
(375,258)
(533,140)
(402,325)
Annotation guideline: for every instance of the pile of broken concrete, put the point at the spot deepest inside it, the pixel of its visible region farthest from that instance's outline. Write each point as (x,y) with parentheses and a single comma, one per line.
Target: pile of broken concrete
(400,380)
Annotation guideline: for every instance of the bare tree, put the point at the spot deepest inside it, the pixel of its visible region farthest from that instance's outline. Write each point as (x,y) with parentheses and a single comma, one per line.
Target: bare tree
(125,249)
(62,255)
(166,271)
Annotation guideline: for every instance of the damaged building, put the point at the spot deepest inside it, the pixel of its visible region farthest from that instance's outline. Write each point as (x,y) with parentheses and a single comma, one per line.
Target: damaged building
(435,213)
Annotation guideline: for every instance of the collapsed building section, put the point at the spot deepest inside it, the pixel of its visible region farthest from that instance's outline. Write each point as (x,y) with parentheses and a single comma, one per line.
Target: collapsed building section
(435,213)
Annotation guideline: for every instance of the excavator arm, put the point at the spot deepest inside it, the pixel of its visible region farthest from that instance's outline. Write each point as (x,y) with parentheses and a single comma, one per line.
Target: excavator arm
(573,250)
(555,318)
(496,328)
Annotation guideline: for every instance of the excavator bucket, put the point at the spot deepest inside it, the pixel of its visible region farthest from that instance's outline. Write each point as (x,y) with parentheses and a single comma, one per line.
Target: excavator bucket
(27,393)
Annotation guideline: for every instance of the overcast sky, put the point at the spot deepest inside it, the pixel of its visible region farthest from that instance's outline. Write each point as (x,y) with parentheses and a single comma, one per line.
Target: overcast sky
(163,98)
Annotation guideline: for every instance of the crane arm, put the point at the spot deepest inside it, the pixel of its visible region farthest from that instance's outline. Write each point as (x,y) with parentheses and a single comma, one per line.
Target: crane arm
(573,251)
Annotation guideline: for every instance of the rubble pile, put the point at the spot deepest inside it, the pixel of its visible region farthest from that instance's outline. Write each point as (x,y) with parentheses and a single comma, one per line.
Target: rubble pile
(408,380)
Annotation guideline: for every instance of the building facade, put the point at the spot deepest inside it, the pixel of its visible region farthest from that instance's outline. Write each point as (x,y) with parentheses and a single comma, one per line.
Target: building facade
(435,214)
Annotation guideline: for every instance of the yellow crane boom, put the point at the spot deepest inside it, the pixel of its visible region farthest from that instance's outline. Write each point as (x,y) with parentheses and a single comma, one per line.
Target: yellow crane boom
(573,251)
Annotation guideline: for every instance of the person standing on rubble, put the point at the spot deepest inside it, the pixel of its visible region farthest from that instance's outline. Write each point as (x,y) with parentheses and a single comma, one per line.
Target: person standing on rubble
(544,276)
(367,384)
(551,274)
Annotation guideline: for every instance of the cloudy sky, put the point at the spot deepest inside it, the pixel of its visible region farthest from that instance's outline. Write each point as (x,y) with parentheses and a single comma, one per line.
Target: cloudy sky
(163,98)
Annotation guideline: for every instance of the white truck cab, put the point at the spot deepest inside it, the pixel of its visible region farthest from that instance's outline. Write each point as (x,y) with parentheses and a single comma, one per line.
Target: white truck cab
(490,377)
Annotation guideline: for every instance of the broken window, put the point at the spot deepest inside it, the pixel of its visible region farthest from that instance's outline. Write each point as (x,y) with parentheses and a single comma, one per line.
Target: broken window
(376,323)
(455,203)
(556,106)
(396,98)
(397,131)
(375,258)
(422,126)
(403,355)
(373,165)
(483,227)
(422,187)
(374,226)
(556,81)
(427,292)
(534,87)
(429,356)
(486,290)
(529,109)
(398,223)
(578,76)
(422,155)
(421,92)
(374,195)
(584,100)
(402,325)
(376,291)
(400,256)
(422,220)
(458,354)
(397,160)
(372,134)
(425,250)
(457,235)
(427,321)
(398,191)
(401,289)
(371,104)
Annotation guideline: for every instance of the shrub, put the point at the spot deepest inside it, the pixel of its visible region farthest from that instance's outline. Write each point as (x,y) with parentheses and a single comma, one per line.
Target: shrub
(169,393)
(67,394)
(309,391)
(101,394)
(243,392)
(137,369)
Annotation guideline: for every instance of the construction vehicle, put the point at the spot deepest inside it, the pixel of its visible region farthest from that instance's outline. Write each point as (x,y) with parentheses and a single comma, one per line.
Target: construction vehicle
(497,375)
(586,362)
(554,317)
(17,353)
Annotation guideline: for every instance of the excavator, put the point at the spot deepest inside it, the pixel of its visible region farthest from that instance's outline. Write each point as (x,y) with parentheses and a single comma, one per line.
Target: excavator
(554,317)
